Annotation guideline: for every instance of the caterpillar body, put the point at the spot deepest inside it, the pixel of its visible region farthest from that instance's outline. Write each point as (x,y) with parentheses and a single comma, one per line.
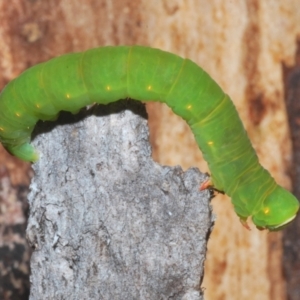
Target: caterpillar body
(107,74)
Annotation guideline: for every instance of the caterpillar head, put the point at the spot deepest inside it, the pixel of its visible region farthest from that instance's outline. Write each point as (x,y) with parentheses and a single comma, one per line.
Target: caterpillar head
(278,209)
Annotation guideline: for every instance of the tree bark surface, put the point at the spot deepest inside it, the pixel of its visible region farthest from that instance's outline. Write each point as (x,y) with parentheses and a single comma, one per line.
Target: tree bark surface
(106,221)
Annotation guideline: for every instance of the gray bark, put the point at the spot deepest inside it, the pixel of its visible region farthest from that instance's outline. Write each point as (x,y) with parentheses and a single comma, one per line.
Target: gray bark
(106,221)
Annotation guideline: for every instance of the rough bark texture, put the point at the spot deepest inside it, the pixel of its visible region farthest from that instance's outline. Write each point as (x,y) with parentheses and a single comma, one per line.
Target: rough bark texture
(106,221)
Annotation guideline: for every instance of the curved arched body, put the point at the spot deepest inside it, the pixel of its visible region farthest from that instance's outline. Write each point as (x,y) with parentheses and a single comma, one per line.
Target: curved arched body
(107,74)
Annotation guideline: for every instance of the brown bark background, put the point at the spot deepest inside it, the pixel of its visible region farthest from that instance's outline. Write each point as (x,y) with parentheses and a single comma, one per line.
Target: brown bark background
(241,43)
(291,241)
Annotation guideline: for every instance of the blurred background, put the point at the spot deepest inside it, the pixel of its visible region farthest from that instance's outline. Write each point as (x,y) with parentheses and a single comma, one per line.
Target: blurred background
(250,47)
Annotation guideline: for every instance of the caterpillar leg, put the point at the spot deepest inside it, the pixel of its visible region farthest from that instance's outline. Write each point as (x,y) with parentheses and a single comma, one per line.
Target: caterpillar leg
(208,184)
(245,224)
(25,152)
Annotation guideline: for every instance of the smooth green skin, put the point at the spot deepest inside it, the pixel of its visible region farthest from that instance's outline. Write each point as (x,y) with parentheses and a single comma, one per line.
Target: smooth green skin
(107,74)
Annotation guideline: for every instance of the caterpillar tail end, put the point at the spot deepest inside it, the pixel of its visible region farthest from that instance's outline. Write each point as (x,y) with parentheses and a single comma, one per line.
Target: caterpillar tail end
(25,152)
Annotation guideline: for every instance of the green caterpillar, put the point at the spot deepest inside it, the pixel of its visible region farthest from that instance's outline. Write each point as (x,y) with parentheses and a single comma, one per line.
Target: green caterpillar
(107,74)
